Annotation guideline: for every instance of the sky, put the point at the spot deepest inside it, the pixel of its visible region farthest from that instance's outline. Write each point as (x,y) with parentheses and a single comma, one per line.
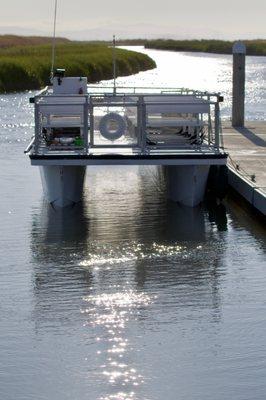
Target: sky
(87,20)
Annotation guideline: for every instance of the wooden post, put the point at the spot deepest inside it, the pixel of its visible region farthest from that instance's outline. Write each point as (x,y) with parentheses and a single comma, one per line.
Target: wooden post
(238,107)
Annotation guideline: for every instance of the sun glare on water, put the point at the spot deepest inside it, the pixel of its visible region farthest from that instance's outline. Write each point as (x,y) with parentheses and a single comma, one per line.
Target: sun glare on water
(130,253)
(108,314)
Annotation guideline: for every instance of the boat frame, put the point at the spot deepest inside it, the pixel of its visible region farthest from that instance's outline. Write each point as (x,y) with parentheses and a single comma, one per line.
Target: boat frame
(172,127)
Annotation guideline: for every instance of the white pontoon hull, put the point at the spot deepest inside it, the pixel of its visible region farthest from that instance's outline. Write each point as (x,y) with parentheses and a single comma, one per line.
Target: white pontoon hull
(62,185)
(187,183)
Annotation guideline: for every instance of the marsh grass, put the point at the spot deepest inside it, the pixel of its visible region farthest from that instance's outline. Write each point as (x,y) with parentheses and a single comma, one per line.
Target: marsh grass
(15,40)
(28,67)
(254,47)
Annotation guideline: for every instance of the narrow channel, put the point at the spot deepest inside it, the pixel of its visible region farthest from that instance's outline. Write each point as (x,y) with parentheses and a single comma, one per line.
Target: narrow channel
(129,295)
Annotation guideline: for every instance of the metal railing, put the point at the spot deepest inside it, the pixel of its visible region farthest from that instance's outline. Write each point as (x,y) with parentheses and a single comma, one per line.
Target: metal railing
(174,109)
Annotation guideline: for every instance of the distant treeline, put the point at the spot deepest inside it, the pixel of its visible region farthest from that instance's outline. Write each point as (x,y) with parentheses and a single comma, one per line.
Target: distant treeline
(28,67)
(254,47)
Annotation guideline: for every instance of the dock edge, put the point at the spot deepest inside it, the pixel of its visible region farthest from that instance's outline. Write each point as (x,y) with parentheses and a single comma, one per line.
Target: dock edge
(250,192)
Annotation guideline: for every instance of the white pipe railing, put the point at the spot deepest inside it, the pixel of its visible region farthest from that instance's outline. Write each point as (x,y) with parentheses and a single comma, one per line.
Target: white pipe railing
(60,105)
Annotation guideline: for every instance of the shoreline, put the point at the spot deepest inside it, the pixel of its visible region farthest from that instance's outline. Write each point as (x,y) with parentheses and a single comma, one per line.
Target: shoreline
(254,47)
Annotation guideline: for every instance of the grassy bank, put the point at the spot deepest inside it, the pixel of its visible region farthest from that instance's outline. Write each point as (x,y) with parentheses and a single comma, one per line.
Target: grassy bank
(254,47)
(14,40)
(28,67)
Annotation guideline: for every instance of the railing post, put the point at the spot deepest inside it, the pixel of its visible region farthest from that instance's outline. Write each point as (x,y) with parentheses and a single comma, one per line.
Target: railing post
(37,127)
(217,125)
(142,124)
(139,121)
(91,124)
(85,124)
(238,106)
(144,135)
(209,122)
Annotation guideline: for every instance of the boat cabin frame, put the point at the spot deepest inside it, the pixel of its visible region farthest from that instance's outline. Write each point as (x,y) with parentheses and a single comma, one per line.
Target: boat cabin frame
(136,122)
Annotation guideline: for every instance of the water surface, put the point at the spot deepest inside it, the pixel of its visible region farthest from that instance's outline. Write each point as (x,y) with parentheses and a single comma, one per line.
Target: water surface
(127,296)
(206,72)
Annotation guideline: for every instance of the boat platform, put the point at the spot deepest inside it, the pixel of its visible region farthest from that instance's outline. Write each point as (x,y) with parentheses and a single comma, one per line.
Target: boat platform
(175,128)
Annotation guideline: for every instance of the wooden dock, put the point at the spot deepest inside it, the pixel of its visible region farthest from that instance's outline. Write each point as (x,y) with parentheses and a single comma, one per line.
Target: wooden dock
(247,161)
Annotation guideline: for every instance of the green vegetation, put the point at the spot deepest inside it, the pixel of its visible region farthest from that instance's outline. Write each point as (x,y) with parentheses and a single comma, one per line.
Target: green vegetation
(254,47)
(14,40)
(28,67)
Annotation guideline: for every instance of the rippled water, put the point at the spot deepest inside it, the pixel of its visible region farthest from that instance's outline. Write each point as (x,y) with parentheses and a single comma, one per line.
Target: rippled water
(211,72)
(127,296)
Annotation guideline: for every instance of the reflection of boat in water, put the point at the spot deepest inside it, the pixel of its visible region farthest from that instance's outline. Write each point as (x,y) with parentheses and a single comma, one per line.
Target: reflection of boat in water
(185,223)
(76,127)
(186,281)
(55,229)
(66,242)
(178,224)
(217,215)
(162,221)
(69,224)
(166,246)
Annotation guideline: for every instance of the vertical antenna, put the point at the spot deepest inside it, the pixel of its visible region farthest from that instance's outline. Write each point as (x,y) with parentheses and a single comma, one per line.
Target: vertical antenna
(114,64)
(54,43)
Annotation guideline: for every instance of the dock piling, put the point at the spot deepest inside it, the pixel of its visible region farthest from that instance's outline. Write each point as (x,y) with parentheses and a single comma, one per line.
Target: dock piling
(238,106)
